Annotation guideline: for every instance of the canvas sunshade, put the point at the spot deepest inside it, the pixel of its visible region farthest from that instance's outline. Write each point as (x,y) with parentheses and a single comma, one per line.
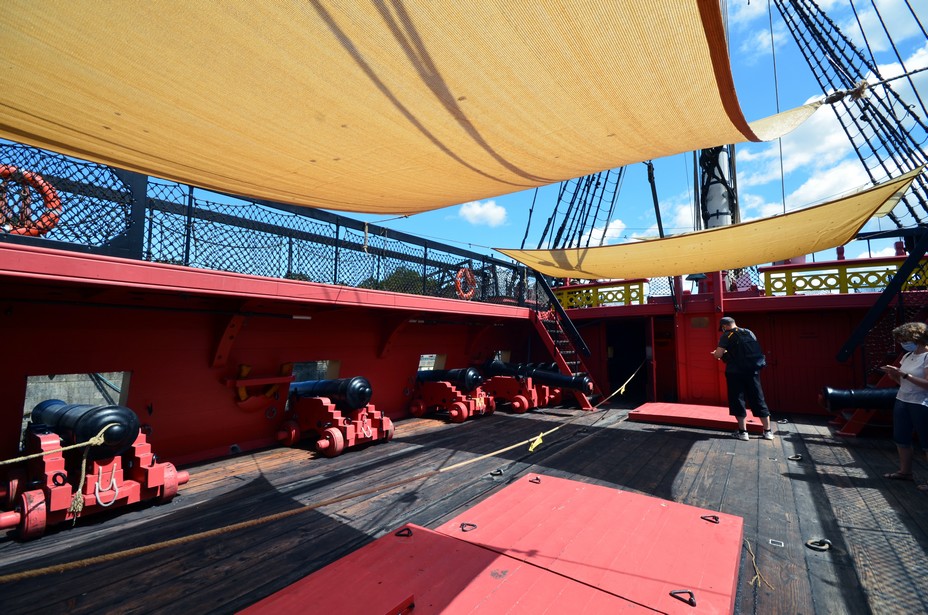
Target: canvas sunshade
(801,232)
(369,105)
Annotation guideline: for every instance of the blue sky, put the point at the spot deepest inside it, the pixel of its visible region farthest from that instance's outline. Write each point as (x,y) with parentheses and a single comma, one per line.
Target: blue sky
(817,160)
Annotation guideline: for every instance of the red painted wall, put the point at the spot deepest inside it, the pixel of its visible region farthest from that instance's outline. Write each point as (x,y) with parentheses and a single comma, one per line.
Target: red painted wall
(175,390)
(800,346)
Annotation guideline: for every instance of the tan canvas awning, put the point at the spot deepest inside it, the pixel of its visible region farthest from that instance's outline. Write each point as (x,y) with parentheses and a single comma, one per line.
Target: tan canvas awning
(740,245)
(369,106)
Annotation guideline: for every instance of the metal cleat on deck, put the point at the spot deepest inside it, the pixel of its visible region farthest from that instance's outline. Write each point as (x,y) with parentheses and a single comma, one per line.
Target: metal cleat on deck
(57,485)
(336,413)
(456,392)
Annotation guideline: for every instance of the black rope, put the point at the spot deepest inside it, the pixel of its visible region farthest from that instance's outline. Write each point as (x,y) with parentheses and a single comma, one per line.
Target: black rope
(615,197)
(529,223)
(574,215)
(881,128)
(557,204)
(712,175)
(892,44)
(916,19)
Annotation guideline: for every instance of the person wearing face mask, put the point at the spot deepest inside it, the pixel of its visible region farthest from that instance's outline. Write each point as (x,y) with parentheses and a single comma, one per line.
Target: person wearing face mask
(910,412)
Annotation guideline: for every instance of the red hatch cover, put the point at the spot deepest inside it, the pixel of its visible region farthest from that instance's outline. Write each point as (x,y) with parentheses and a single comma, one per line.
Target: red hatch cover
(710,417)
(650,551)
(540,545)
(416,571)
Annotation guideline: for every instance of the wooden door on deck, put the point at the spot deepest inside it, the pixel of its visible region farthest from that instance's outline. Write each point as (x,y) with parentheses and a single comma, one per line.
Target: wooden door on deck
(801,349)
(701,377)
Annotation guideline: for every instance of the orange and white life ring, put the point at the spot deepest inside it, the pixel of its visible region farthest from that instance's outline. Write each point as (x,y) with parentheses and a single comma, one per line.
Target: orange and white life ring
(465,276)
(24,224)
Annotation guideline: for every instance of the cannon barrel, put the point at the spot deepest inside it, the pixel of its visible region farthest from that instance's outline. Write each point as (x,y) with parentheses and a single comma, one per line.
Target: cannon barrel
(540,374)
(881,398)
(345,393)
(578,382)
(467,378)
(499,368)
(77,423)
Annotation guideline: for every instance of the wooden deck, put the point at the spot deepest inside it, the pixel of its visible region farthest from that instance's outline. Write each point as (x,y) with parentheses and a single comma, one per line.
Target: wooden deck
(879,529)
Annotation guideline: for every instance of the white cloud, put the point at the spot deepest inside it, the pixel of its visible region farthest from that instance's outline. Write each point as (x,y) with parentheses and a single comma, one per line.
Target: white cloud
(818,143)
(826,184)
(613,231)
(903,86)
(486,213)
(896,14)
(888,251)
(756,44)
(742,13)
(753,206)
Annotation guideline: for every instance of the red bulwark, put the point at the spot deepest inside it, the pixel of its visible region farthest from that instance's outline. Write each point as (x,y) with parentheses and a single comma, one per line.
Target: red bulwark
(541,545)
(710,417)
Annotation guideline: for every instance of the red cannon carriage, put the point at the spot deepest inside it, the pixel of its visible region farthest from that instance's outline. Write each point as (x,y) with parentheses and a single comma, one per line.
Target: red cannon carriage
(337,414)
(456,392)
(527,385)
(56,486)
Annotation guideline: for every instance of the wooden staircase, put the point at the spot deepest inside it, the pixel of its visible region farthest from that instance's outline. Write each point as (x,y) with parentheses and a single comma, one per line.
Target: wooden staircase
(564,352)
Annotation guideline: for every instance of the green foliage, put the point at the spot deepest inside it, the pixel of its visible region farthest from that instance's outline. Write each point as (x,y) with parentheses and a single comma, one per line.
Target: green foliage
(405,280)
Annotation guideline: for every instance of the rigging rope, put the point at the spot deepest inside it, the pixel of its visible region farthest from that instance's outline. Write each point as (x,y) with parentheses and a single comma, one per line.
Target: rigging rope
(776,94)
(529,223)
(615,198)
(886,135)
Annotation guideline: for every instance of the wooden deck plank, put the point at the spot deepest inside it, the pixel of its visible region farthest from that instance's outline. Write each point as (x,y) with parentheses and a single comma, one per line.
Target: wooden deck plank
(836,491)
(871,524)
(778,551)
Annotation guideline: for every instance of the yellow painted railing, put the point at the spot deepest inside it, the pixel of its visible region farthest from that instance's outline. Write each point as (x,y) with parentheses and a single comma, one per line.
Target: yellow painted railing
(836,277)
(626,292)
(829,277)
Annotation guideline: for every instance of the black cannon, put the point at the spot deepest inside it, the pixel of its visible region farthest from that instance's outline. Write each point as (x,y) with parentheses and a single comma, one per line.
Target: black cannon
(337,414)
(119,472)
(80,422)
(499,368)
(547,367)
(346,393)
(466,379)
(577,382)
(539,373)
(835,400)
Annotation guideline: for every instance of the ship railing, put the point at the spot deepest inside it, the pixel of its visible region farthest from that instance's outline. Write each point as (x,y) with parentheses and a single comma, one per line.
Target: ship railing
(838,277)
(616,292)
(115,213)
(870,275)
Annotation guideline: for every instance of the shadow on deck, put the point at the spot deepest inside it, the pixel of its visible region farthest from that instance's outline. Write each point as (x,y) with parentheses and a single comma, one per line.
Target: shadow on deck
(878,528)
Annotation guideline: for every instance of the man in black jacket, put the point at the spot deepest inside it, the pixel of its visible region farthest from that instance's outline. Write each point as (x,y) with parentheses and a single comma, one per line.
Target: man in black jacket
(744,359)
